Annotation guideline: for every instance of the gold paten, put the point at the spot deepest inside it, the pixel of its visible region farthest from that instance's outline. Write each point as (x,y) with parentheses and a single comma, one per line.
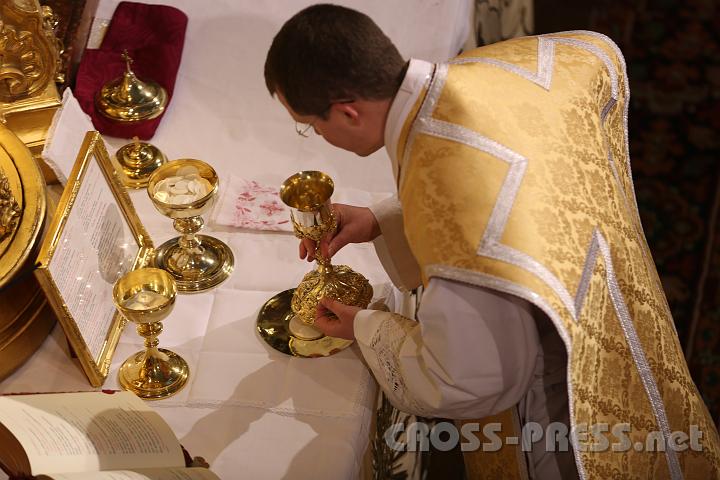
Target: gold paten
(154,373)
(308,196)
(129,99)
(196,262)
(29,59)
(273,326)
(137,161)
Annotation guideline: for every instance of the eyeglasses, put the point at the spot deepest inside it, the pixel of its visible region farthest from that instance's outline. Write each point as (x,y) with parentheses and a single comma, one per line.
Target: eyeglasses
(302,129)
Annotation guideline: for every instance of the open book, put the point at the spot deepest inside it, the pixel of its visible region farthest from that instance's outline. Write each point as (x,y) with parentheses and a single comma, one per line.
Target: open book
(89,435)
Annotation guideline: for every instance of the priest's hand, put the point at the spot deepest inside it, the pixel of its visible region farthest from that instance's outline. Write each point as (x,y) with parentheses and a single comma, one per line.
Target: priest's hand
(354,225)
(336,319)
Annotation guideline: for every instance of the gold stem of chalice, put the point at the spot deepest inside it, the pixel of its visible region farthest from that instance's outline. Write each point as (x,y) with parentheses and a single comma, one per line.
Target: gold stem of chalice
(146,296)
(184,190)
(308,195)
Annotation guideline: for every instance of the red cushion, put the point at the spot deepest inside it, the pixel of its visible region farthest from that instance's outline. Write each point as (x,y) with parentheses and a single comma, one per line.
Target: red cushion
(154,36)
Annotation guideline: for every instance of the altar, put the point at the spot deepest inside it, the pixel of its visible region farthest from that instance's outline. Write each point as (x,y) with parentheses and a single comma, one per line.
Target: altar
(250,411)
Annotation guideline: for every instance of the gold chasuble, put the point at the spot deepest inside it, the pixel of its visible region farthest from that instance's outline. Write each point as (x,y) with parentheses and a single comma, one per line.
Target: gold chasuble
(515,176)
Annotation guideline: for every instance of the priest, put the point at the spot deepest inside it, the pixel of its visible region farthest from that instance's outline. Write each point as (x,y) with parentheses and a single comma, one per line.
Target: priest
(516,213)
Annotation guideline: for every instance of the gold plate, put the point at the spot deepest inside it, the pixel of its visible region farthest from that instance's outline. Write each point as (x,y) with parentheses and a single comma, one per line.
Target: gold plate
(22,204)
(272,325)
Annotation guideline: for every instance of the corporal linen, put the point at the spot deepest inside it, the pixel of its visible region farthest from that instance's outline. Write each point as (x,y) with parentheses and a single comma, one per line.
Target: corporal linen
(257,206)
(514,177)
(65,137)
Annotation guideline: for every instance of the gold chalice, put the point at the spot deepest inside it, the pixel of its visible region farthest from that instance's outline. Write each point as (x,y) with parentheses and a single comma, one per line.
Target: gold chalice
(308,196)
(196,262)
(145,297)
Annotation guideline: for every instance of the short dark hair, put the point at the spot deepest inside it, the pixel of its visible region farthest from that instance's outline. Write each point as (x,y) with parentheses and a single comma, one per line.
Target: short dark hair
(327,53)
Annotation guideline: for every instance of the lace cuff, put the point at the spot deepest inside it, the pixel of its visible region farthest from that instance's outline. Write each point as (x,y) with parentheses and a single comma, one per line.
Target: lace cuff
(381,336)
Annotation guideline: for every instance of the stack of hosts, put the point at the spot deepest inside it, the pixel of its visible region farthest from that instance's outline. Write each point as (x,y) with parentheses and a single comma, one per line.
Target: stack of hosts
(516,212)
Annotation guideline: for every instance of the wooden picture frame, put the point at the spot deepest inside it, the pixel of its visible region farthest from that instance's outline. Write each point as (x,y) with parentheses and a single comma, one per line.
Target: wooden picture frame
(94,238)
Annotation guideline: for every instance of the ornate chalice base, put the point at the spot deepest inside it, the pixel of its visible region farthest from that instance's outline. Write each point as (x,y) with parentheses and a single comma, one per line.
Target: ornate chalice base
(154,377)
(335,281)
(198,267)
(273,326)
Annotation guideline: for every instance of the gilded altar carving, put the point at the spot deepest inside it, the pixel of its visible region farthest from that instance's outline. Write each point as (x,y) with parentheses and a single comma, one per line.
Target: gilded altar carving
(29,59)
(25,316)
(9,208)
(29,51)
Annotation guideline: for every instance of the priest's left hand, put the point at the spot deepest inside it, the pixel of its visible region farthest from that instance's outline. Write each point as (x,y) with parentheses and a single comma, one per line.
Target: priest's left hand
(336,319)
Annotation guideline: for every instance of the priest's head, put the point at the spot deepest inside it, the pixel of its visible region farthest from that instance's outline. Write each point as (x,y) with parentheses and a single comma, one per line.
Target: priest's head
(335,72)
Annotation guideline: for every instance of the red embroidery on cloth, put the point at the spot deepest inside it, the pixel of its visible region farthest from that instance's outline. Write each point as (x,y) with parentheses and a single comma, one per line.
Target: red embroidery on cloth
(259,207)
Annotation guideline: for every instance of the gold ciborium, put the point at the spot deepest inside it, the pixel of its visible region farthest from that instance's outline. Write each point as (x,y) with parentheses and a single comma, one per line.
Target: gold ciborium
(129,99)
(308,196)
(184,190)
(146,296)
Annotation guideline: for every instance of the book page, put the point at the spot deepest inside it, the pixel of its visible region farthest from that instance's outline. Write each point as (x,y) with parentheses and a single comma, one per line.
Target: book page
(197,473)
(95,248)
(87,431)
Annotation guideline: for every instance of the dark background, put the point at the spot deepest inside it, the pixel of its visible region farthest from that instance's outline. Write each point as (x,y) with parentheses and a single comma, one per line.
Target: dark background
(672,50)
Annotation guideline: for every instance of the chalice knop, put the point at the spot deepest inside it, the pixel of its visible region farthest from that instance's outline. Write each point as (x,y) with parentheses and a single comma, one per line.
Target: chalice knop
(184,190)
(308,195)
(145,297)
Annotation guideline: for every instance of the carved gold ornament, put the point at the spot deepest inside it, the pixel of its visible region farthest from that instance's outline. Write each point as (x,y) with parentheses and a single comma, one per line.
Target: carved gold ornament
(29,51)
(339,282)
(9,208)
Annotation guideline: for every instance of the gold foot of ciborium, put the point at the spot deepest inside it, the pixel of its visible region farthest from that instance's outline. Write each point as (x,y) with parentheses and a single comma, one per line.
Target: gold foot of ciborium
(145,297)
(286,320)
(184,190)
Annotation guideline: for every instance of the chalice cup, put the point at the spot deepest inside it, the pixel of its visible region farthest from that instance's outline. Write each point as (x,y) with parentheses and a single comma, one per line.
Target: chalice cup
(308,195)
(146,296)
(196,262)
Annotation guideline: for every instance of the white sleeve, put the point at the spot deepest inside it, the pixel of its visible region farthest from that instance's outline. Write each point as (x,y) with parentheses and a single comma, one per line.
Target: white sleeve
(391,246)
(472,353)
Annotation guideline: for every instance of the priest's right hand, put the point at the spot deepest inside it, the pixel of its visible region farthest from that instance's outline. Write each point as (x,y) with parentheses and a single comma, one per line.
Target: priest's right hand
(354,225)
(336,319)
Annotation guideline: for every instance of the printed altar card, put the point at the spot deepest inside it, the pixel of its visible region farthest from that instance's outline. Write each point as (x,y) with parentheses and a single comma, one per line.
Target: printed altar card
(95,238)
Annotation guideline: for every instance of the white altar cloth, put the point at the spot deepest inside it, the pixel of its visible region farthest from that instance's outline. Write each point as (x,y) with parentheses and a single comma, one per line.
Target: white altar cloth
(249,410)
